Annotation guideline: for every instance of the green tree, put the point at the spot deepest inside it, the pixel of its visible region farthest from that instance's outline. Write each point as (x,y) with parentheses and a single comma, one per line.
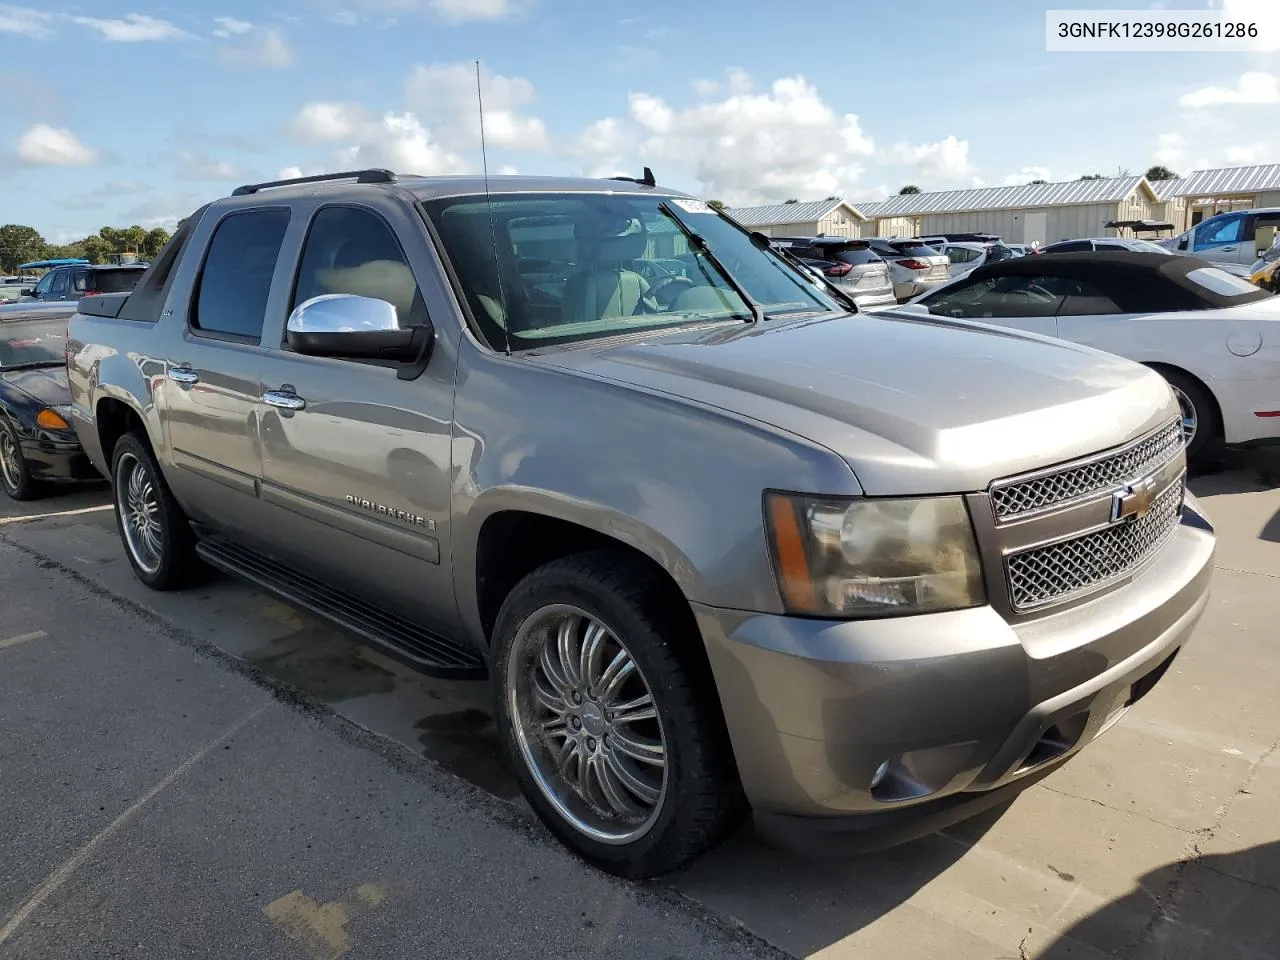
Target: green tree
(97,249)
(134,237)
(910,188)
(19,244)
(157,238)
(1093,176)
(66,251)
(1160,172)
(792,200)
(1033,182)
(713,204)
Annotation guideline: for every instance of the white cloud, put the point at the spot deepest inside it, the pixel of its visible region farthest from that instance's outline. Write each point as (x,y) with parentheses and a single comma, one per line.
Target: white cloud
(1171,150)
(263,47)
(944,162)
(231,27)
(1253,88)
(460,10)
(1026,175)
(445,95)
(1264,13)
(197,165)
(43,145)
(748,147)
(1248,154)
(25,22)
(134,28)
(367,139)
(164,210)
(289,173)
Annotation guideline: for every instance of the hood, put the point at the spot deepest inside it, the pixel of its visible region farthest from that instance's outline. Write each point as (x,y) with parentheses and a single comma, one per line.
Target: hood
(48,385)
(914,405)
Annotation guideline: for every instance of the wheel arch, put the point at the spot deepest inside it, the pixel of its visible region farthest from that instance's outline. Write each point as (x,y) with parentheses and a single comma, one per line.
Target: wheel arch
(1161,367)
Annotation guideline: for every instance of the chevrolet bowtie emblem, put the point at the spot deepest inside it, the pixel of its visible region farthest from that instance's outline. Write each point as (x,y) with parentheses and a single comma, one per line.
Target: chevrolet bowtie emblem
(1133,502)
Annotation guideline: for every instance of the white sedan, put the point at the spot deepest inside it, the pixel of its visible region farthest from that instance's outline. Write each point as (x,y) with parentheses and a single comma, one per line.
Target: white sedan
(1213,336)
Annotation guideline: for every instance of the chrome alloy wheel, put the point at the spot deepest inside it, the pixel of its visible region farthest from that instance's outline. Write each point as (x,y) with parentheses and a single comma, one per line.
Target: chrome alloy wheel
(1190,419)
(587,725)
(9,463)
(139,508)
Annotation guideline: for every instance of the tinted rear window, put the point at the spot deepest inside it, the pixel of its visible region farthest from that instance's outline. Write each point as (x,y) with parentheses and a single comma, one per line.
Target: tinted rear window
(111,281)
(913,248)
(856,254)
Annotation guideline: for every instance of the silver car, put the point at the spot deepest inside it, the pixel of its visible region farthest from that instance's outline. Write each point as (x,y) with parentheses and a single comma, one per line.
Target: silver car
(850,265)
(914,266)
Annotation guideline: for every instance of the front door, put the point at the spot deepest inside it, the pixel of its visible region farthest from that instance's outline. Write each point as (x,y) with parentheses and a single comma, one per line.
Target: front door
(356,461)
(209,396)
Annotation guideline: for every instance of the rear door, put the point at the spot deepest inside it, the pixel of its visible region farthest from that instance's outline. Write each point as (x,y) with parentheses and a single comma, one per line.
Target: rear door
(356,462)
(209,398)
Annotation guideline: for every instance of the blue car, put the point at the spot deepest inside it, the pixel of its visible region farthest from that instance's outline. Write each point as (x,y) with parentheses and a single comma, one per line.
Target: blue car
(38,447)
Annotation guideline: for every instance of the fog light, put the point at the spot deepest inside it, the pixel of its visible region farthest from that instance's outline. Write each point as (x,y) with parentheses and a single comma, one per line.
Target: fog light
(877,778)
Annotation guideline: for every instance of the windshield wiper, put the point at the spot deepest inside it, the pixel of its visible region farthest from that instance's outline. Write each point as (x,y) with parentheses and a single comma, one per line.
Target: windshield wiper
(761,241)
(699,242)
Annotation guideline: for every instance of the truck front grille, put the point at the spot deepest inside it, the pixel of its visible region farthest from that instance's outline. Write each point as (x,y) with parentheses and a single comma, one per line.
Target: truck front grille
(1058,571)
(1013,499)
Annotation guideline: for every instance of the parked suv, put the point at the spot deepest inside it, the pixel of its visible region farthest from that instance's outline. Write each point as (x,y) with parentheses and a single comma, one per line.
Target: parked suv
(849,264)
(75,281)
(914,266)
(719,542)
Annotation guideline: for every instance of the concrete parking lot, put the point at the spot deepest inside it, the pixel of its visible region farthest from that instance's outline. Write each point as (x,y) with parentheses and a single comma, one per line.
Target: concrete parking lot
(216,774)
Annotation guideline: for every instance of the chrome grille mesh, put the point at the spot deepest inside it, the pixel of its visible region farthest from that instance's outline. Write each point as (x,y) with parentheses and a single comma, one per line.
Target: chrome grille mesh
(1010,500)
(1045,574)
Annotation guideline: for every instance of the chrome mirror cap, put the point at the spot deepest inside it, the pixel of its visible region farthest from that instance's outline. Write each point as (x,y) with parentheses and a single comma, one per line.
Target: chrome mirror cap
(342,313)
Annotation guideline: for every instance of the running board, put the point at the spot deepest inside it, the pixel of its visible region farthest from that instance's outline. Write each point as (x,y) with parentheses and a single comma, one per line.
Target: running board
(392,634)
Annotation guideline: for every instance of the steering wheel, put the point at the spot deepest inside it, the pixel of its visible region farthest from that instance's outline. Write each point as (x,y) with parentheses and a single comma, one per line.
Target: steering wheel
(657,289)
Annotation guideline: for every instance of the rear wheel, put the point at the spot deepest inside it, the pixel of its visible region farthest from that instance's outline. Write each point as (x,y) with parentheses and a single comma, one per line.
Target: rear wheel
(1201,423)
(15,476)
(615,744)
(156,536)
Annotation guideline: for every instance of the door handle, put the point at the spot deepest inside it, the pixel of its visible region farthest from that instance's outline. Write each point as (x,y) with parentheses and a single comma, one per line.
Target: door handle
(286,401)
(183,375)
(1228,249)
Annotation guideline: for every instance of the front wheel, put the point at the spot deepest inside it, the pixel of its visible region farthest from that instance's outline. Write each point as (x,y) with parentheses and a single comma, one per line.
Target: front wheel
(616,744)
(156,536)
(15,475)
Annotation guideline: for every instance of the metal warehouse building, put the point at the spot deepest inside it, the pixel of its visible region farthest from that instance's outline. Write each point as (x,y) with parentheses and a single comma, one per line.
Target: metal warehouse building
(1188,200)
(826,218)
(1037,212)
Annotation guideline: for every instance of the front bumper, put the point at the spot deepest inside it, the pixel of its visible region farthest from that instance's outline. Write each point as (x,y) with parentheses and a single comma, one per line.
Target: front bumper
(58,460)
(966,708)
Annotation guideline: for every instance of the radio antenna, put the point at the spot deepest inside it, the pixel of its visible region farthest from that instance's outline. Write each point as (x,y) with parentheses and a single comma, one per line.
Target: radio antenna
(493,231)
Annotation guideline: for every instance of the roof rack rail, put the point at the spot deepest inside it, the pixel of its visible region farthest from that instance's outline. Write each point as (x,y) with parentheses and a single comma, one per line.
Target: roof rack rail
(645,181)
(372,175)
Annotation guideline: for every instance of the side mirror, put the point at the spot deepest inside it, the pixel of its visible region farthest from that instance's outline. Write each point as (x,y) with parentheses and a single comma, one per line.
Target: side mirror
(27,292)
(349,327)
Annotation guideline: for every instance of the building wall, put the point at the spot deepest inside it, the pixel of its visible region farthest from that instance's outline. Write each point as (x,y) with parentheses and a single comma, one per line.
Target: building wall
(802,229)
(891,227)
(1271,199)
(839,224)
(1061,223)
(1171,211)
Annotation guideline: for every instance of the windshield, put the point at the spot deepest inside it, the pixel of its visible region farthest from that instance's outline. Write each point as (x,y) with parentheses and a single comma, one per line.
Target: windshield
(913,248)
(579,266)
(32,342)
(855,255)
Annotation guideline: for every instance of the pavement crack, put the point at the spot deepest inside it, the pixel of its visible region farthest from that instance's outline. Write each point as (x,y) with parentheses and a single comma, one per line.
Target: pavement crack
(1166,906)
(1250,573)
(1114,809)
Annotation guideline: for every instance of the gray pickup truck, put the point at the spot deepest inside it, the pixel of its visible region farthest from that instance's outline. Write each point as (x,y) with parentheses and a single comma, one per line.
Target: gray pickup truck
(720,542)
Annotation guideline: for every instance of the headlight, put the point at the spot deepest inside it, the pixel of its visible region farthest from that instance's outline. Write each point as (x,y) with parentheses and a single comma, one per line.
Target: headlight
(873,558)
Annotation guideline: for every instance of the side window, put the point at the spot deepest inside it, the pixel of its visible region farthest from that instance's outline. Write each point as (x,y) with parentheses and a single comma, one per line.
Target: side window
(1074,246)
(1264,228)
(1216,231)
(999,297)
(81,282)
(60,283)
(1102,245)
(1083,299)
(236,278)
(349,250)
(45,285)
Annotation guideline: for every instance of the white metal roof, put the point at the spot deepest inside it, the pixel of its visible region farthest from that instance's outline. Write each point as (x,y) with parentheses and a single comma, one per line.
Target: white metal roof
(1224,180)
(1110,190)
(790,212)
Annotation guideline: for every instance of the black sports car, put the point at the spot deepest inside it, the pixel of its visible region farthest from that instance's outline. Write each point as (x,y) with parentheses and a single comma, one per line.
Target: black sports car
(38,446)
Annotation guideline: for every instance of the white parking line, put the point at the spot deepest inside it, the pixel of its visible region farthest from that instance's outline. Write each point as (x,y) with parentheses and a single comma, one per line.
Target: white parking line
(22,638)
(4,521)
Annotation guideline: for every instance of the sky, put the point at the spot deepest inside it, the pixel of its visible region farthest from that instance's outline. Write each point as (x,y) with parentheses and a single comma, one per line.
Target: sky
(138,111)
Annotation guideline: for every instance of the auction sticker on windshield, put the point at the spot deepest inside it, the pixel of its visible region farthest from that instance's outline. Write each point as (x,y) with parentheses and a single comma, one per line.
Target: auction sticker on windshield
(691,206)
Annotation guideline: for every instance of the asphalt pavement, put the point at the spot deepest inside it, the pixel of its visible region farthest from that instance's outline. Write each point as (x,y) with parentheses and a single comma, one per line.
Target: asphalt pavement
(215,774)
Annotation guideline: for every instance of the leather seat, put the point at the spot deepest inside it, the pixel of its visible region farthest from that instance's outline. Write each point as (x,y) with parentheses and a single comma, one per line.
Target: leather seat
(606,287)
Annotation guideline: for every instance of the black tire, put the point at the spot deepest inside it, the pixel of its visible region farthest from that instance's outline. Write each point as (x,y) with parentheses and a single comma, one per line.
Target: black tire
(175,562)
(702,800)
(15,475)
(1207,442)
